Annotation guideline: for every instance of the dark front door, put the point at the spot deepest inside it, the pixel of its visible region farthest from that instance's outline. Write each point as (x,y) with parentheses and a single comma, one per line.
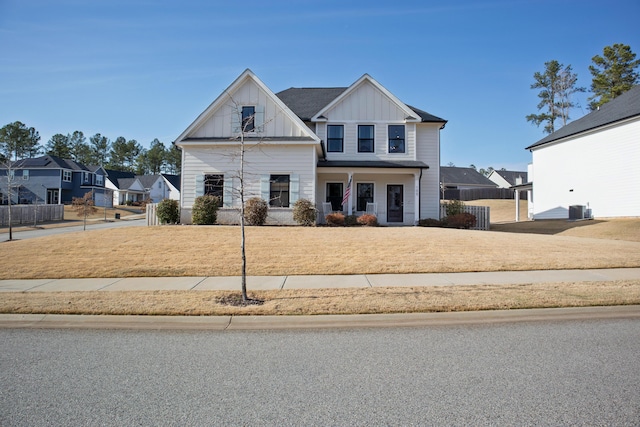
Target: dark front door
(395,201)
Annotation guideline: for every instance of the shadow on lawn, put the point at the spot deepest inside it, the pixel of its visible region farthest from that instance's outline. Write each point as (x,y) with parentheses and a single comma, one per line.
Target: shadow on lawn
(548,226)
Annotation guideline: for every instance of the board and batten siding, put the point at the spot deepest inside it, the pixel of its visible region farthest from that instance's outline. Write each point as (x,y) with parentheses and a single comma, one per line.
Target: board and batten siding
(428,151)
(597,169)
(275,122)
(260,160)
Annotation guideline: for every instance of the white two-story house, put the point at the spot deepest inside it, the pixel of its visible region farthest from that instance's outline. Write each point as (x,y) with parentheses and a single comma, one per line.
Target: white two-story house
(358,144)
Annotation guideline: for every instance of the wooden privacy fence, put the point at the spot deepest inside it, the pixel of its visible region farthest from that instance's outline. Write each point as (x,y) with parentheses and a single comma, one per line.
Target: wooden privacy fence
(26,214)
(482,214)
(482,193)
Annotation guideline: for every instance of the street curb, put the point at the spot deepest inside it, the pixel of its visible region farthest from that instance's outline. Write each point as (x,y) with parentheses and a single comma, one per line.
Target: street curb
(249,323)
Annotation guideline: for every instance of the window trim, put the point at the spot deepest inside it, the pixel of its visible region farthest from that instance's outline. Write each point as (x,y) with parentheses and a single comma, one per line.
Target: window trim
(373,139)
(67,175)
(404,139)
(341,139)
(25,174)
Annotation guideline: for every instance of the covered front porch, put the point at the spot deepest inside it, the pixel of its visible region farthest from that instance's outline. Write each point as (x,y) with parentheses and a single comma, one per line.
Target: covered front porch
(388,190)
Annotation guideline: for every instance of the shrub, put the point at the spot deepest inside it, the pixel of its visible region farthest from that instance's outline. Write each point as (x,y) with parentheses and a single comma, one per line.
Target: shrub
(461,220)
(454,207)
(368,220)
(350,220)
(168,211)
(304,212)
(430,222)
(335,219)
(255,211)
(205,210)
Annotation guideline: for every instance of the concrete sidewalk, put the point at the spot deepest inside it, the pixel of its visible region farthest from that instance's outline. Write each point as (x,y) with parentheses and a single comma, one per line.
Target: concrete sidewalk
(317,282)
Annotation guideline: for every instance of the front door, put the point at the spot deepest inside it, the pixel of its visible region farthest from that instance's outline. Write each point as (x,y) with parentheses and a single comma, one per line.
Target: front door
(395,202)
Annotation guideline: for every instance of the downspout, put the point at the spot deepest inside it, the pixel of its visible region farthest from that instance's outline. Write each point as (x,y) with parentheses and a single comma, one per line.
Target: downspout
(324,152)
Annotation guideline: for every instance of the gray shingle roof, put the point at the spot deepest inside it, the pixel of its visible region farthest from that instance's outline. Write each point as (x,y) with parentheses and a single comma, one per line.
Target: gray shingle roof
(465,176)
(307,102)
(623,107)
(173,179)
(50,162)
(147,181)
(510,176)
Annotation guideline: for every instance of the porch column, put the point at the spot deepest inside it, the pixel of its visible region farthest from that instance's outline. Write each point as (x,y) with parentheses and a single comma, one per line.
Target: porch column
(416,185)
(517,205)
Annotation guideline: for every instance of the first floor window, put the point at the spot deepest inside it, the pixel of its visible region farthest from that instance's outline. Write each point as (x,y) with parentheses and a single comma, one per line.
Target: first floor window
(248,119)
(279,191)
(66,176)
(396,139)
(365,195)
(334,195)
(214,186)
(335,138)
(366,139)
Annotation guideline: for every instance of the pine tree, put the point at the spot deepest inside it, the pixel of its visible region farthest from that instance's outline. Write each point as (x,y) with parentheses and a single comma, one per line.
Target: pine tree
(613,74)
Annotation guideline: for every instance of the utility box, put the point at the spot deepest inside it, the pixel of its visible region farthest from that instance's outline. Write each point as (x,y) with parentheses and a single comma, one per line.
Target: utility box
(117,216)
(577,212)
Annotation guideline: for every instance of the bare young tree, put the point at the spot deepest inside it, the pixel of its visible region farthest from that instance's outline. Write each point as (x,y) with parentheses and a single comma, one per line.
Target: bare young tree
(9,180)
(84,206)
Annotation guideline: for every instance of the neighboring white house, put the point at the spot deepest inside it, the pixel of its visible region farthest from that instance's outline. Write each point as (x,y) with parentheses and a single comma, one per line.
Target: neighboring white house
(313,143)
(126,187)
(591,162)
(507,179)
(159,187)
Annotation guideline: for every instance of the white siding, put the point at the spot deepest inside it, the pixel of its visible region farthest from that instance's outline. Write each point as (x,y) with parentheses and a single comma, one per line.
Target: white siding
(259,160)
(428,151)
(598,169)
(366,103)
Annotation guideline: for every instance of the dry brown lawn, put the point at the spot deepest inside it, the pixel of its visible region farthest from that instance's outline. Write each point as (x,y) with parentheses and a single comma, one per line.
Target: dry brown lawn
(328,301)
(215,251)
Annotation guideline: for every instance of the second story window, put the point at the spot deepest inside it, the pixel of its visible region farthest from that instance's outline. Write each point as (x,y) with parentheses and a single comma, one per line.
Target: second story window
(335,138)
(396,139)
(66,176)
(25,174)
(99,180)
(85,177)
(248,119)
(366,139)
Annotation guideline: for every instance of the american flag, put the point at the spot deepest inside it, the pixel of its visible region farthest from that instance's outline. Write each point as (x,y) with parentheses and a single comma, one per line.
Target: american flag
(347,192)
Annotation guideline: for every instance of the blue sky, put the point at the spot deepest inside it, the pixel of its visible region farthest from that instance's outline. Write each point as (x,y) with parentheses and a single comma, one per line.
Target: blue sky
(146,69)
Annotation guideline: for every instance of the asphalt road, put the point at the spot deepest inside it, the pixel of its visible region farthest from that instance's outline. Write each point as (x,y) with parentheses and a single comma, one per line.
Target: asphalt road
(91,225)
(540,373)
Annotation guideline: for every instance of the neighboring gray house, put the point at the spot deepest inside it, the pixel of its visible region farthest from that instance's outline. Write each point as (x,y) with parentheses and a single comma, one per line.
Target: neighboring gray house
(126,187)
(53,180)
(591,163)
